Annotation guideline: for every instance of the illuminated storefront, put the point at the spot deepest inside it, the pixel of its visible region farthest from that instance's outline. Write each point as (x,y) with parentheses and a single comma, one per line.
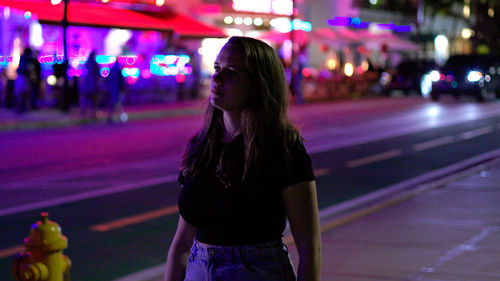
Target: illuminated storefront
(156,50)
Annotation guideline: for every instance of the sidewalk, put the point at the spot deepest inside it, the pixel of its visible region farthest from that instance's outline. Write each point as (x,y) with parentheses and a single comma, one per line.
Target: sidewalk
(441,231)
(54,118)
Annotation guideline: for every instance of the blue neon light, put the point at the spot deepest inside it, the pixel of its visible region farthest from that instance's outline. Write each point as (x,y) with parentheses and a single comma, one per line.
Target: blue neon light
(170,65)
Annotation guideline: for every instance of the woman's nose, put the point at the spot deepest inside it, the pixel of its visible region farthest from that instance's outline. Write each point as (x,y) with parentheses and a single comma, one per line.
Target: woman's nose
(216,78)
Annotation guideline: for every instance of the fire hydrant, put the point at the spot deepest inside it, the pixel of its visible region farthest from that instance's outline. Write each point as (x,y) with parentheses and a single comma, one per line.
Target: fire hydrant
(43,259)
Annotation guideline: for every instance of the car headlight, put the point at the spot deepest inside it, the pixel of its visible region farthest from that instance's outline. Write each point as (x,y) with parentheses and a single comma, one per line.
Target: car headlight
(434,75)
(474,76)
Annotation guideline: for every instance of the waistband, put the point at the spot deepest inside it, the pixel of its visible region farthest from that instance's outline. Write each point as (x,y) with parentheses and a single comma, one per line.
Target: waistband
(236,251)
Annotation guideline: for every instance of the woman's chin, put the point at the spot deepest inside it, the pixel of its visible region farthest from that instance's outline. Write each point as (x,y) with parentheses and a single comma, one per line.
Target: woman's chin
(215,101)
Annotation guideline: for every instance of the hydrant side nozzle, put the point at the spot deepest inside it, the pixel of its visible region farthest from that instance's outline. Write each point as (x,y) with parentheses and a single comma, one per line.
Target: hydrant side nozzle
(36,272)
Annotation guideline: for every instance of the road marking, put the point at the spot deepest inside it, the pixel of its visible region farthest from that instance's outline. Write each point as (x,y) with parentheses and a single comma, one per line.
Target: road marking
(321,172)
(94,171)
(158,213)
(433,143)
(88,195)
(135,219)
(476,133)
(11,251)
(374,158)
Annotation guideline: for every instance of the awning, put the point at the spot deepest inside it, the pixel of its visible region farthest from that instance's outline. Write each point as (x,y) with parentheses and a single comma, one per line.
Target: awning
(186,26)
(99,15)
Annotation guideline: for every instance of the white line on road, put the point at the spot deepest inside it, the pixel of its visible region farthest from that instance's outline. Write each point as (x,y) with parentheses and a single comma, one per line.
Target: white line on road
(87,195)
(374,158)
(433,143)
(94,171)
(476,133)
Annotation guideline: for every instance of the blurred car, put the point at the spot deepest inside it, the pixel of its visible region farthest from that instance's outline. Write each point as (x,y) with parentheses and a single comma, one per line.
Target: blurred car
(471,75)
(407,76)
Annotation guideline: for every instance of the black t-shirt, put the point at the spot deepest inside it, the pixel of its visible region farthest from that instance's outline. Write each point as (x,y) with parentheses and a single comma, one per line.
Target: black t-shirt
(252,212)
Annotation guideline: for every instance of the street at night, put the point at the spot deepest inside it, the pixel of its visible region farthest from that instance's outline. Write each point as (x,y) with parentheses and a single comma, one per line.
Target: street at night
(113,189)
(235,140)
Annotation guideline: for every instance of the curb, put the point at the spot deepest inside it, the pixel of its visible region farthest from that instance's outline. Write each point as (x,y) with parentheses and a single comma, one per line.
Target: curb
(192,109)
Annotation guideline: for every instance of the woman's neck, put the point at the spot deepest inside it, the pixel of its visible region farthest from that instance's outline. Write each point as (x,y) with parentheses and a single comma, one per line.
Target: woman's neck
(232,123)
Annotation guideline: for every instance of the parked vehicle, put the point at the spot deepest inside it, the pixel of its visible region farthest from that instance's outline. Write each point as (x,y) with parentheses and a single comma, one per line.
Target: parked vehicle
(407,76)
(471,75)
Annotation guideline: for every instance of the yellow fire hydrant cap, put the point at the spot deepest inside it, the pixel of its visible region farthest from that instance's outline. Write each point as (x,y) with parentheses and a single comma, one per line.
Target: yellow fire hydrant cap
(46,235)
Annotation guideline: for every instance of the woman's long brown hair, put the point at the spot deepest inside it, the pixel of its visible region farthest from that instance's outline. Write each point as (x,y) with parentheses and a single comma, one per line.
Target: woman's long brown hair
(263,118)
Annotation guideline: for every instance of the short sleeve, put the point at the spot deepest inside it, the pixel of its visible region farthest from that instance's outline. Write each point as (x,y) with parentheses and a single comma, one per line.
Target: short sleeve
(300,166)
(180,178)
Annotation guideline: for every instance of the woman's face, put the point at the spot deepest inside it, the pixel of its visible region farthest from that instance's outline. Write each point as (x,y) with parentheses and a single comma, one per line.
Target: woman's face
(230,83)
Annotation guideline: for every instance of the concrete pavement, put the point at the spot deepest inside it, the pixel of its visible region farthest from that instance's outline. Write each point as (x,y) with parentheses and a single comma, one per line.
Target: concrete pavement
(444,230)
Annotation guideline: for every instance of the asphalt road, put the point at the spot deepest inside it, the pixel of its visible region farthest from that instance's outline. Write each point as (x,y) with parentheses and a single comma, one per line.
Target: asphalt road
(113,189)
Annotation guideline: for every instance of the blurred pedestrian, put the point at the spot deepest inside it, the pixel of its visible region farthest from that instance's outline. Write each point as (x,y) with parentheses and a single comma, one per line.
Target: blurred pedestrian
(60,72)
(89,89)
(115,83)
(35,82)
(3,87)
(242,174)
(22,86)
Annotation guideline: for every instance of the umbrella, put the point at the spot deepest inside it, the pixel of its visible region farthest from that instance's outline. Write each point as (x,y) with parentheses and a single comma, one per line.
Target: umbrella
(300,36)
(392,41)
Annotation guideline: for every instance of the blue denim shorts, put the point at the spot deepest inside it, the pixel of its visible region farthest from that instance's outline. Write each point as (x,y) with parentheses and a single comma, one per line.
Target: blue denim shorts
(268,261)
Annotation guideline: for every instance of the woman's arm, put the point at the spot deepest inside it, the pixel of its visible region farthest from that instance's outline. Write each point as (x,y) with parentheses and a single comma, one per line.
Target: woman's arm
(302,210)
(175,268)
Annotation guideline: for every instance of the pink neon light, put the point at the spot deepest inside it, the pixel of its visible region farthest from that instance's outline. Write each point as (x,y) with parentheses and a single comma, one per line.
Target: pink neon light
(5,59)
(127,59)
(180,78)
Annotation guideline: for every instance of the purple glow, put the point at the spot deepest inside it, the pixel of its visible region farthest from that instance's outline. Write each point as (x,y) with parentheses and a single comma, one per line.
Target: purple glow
(357,23)
(340,21)
(362,25)
(402,28)
(387,26)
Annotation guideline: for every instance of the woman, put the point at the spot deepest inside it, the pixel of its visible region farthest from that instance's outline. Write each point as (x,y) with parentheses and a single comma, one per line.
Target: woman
(242,175)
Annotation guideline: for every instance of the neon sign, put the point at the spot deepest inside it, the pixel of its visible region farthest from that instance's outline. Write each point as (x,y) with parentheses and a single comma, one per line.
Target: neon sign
(100,59)
(50,59)
(5,60)
(128,60)
(278,7)
(130,72)
(170,65)
(357,23)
